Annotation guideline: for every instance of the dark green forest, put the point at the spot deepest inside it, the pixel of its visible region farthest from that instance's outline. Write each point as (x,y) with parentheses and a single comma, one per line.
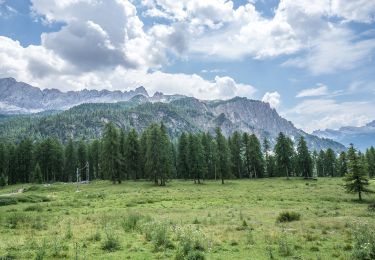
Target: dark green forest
(152,155)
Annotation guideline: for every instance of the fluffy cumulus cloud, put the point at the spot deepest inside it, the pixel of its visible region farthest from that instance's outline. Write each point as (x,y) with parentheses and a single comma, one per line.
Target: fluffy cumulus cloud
(312,114)
(273,98)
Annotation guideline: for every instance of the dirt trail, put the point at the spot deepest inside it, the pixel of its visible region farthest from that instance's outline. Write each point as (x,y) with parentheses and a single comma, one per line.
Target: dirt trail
(14,192)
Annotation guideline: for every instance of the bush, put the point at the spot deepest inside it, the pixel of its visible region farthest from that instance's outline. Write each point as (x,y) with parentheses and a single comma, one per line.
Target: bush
(111,242)
(158,234)
(15,219)
(364,243)
(131,221)
(36,207)
(191,245)
(288,216)
(5,201)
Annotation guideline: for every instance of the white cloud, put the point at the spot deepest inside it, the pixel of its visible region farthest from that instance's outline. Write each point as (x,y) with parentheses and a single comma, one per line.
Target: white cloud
(311,92)
(273,98)
(313,114)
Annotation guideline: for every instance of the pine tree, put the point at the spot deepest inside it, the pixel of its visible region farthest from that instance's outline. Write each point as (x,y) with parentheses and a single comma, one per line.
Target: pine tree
(37,174)
(223,165)
(283,153)
(304,161)
(132,155)
(356,180)
(70,162)
(183,157)
(235,146)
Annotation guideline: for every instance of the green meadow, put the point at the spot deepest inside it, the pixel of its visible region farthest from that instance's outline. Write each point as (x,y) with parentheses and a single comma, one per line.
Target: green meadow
(136,220)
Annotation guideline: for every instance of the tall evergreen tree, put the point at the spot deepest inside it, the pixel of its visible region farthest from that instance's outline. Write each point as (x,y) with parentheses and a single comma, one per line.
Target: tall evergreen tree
(283,153)
(37,175)
(24,160)
(370,158)
(121,161)
(320,164)
(304,161)
(223,164)
(266,149)
(183,157)
(235,146)
(110,153)
(94,160)
(132,155)
(209,155)
(356,180)
(82,160)
(341,165)
(70,162)
(330,163)
(196,159)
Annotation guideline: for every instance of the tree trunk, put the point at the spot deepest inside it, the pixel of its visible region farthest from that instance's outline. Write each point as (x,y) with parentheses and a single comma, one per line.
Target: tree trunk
(360,195)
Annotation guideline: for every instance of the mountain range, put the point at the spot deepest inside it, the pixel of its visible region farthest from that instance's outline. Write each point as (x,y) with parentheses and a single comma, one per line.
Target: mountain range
(362,137)
(82,114)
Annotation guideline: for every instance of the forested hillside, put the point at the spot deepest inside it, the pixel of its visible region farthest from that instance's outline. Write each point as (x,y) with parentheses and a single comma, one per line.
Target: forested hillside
(183,114)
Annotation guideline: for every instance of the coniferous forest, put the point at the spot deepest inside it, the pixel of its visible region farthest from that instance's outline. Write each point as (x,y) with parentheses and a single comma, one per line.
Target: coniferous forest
(152,155)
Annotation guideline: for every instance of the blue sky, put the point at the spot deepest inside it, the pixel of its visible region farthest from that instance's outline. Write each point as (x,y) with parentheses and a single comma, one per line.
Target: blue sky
(311,60)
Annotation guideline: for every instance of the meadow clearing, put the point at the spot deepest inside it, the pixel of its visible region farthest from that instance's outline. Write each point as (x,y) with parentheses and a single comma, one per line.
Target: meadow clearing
(136,220)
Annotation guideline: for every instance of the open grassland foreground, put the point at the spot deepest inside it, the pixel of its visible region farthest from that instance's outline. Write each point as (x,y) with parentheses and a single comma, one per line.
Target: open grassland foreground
(245,219)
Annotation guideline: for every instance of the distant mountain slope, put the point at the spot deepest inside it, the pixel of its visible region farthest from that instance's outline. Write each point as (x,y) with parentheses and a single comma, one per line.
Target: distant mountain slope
(179,113)
(362,137)
(21,98)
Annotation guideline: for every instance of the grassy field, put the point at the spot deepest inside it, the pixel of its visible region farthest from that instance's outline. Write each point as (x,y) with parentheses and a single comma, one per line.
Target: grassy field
(136,220)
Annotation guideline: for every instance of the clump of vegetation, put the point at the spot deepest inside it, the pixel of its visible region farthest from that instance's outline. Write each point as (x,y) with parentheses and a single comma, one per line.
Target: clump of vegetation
(284,246)
(288,216)
(158,234)
(5,201)
(36,207)
(15,219)
(132,221)
(111,242)
(191,244)
(364,243)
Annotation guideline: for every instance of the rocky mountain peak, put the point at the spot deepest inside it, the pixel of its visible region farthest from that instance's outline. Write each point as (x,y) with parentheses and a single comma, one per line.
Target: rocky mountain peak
(141,90)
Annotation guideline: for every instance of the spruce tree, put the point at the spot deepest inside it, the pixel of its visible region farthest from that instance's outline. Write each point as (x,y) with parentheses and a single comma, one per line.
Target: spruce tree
(94,160)
(132,155)
(24,160)
(82,159)
(370,158)
(121,161)
(196,159)
(304,161)
(356,180)
(165,163)
(223,164)
(330,163)
(70,162)
(183,157)
(235,146)
(37,175)
(341,165)
(283,154)
(266,149)
(110,153)
(256,157)
(320,164)
(209,155)
(2,180)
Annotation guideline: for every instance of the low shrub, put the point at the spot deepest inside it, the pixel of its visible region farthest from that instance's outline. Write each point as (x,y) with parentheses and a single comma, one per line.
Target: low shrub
(364,243)
(111,242)
(131,221)
(191,244)
(288,216)
(17,218)
(158,234)
(5,201)
(36,207)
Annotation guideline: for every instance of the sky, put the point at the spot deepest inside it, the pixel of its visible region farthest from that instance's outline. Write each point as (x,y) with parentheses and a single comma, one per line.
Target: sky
(312,60)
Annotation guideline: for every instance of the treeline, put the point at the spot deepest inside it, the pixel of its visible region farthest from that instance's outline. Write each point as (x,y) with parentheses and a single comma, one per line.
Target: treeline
(152,155)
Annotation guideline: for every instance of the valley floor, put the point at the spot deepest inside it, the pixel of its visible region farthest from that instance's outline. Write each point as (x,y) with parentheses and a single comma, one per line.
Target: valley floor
(136,220)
